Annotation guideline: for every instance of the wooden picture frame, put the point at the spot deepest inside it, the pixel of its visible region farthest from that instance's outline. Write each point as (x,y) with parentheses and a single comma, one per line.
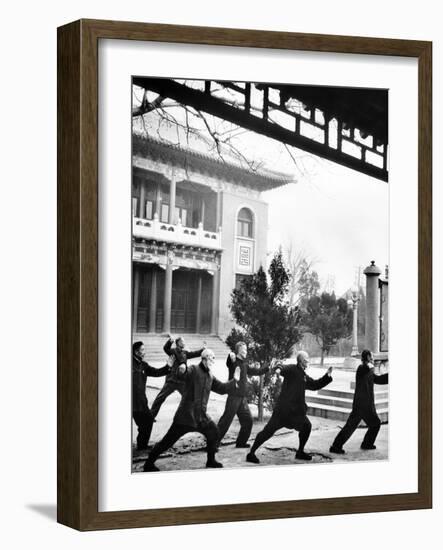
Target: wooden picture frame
(78,274)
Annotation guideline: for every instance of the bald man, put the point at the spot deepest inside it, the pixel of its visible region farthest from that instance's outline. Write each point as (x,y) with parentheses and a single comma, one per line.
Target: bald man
(291,408)
(191,415)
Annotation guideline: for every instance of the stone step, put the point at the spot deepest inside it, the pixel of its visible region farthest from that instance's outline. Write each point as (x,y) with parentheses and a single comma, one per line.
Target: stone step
(377,387)
(348,394)
(154,344)
(343,402)
(339,413)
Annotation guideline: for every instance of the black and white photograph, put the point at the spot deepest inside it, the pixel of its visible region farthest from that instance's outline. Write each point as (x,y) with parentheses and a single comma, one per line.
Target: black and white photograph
(260,274)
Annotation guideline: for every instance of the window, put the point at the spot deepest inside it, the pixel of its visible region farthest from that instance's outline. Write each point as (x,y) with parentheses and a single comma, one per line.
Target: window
(149,214)
(244,223)
(135,207)
(165,213)
(181,214)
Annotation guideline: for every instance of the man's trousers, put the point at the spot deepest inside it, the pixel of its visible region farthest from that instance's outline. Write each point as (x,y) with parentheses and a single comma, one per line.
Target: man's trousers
(170,386)
(144,421)
(300,423)
(236,406)
(372,421)
(209,430)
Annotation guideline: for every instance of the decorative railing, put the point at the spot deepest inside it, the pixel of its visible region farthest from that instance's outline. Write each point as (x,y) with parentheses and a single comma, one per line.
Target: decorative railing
(175,233)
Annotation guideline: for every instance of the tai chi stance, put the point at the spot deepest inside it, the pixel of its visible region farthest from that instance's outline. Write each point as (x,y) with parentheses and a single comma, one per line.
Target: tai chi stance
(236,403)
(172,383)
(291,408)
(140,410)
(191,415)
(363,407)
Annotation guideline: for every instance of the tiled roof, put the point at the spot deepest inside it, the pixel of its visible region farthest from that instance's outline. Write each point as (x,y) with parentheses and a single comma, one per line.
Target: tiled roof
(231,170)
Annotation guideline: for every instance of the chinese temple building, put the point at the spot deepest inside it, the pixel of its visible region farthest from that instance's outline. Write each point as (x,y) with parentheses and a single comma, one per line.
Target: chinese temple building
(199,226)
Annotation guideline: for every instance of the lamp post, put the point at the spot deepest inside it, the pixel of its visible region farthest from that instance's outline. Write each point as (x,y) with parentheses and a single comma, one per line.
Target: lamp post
(353,302)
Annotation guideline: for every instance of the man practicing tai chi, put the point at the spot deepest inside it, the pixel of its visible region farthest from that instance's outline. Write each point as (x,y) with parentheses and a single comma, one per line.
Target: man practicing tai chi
(290,411)
(363,406)
(236,403)
(172,383)
(140,410)
(191,415)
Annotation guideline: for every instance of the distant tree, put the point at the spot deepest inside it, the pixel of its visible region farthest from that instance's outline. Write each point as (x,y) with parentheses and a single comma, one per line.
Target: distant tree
(328,319)
(303,279)
(308,283)
(265,319)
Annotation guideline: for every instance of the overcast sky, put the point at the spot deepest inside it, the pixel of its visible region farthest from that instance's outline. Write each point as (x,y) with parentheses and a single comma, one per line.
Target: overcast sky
(339,217)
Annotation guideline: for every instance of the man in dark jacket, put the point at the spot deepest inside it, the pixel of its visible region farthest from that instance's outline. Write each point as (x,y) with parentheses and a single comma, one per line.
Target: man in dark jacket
(291,408)
(363,406)
(140,410)
(236,403)
(191,415)
(172,383)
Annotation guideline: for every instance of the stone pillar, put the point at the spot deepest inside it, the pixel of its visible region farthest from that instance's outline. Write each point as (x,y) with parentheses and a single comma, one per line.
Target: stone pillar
(172,192)
(372,273)
(167,300)
(135,295)
(153,302)
(215,300)
(199,303)
(142,205)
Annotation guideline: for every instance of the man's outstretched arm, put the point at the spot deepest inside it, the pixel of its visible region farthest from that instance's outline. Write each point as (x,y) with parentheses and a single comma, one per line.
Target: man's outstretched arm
(319,383)
(163,371)
(167,347)
(193,354)
(381,378)
(223,387)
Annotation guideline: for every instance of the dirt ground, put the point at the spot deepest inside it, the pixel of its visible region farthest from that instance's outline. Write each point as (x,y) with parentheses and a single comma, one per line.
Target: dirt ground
(189,452)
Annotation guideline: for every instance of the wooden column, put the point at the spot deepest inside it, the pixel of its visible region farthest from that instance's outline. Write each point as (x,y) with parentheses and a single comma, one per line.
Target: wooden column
(215,300)
(142,205)
(202,213)
(153,302)
(167,299)
(172,192)
(199,303)
(136,290)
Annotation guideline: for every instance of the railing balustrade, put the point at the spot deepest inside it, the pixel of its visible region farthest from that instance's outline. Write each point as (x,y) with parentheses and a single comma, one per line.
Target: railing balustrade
(176,233)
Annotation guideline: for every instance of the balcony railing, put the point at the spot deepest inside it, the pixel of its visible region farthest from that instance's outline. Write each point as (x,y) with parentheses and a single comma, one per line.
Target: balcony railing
(175,233)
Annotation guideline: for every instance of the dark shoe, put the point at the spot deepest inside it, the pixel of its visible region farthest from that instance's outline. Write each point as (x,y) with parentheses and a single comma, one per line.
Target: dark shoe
(150,467)
(367,447)
(301,455)
(142,446)
(250,457)
(242,445)
(336,450)
(213,464)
